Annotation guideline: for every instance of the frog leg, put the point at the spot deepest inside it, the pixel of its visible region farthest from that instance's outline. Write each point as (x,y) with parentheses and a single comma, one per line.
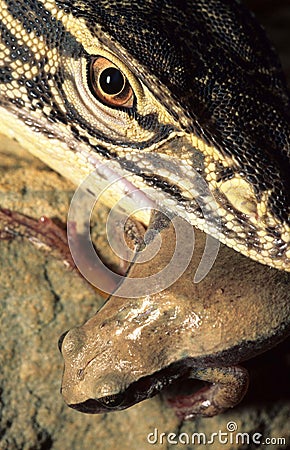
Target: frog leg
(51,237)
(134,238)
(43,233)
(227,387)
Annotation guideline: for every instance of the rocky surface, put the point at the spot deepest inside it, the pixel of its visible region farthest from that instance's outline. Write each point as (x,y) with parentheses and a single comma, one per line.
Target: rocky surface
(40,298)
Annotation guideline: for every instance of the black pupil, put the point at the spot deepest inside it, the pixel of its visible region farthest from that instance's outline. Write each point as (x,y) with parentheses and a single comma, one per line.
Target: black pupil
(111,81)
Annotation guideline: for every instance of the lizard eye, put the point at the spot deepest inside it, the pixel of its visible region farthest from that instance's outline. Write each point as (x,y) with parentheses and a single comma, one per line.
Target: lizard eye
(108,84)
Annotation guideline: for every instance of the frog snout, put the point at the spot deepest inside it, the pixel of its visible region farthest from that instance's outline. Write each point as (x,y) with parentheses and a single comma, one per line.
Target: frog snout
(61,339)
(72,343)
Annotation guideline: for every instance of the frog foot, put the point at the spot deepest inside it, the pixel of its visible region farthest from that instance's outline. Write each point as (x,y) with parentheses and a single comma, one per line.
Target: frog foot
(43,233)
(51,237)
(227,387)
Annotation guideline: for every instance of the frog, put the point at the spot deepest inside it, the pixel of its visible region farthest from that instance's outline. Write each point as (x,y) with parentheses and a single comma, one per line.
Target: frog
(135,348)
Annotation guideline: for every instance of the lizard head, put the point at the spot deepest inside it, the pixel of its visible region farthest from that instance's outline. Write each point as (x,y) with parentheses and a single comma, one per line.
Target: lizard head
(167,93)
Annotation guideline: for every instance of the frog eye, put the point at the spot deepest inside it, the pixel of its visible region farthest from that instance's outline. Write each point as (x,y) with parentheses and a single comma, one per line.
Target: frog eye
(108,83)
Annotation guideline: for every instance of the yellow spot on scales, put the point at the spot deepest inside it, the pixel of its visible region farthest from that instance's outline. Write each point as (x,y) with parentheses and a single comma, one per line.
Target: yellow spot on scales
(76,26)
(240,195)
(37,44)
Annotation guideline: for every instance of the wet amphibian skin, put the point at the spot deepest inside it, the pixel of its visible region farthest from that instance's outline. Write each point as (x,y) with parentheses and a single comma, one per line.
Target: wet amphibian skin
(133,348)
(165,94)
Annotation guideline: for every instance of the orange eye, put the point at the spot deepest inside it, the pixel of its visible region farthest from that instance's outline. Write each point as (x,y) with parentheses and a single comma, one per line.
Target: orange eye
(109,85)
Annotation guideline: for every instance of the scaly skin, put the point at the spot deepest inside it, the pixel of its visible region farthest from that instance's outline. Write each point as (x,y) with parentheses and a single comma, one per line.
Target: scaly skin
(209,102)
